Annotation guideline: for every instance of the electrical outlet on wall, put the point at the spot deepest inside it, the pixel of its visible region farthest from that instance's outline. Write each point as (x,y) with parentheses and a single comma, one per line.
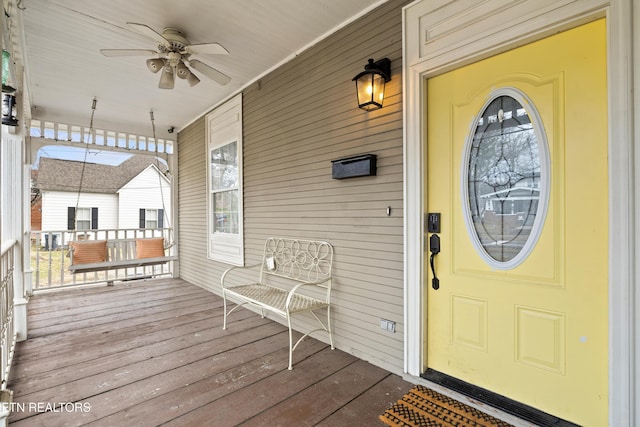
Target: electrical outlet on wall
(388,325)
(391,326)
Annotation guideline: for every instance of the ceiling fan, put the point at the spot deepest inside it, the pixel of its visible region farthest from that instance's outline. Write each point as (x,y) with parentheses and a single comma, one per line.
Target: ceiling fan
(174,50)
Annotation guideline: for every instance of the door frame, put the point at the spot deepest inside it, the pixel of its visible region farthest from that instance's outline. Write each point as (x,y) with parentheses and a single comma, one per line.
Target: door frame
(430,49)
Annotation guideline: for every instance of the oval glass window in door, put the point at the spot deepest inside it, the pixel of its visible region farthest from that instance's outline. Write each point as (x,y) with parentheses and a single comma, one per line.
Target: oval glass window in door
(506,179)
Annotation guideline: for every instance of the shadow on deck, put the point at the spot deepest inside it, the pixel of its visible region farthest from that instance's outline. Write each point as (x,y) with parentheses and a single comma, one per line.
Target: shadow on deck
(154,353)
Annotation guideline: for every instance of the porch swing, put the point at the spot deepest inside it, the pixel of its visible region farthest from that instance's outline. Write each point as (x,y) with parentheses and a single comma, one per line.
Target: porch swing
(113,254)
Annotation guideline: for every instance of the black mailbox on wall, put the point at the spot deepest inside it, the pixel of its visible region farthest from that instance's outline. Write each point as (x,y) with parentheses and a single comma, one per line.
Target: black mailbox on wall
(351,167)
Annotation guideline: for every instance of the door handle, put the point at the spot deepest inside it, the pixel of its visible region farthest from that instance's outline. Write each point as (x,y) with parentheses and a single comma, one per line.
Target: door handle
(434,248)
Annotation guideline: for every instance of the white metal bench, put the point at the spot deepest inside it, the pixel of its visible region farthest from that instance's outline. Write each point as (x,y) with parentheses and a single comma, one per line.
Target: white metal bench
(295,277)
(119,253)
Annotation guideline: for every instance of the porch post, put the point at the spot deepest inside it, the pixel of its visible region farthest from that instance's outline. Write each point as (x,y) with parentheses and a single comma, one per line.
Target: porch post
(22,276)
(173,169)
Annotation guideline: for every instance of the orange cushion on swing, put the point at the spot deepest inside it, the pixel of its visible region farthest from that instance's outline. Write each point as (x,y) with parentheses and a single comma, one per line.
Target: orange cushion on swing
(150,248)
(89,251)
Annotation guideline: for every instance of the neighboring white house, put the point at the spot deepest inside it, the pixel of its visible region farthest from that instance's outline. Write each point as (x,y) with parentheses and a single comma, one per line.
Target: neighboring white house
(89,196)
(141,204)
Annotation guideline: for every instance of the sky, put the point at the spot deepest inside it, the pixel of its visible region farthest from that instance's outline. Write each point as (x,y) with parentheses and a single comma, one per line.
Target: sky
(78,154)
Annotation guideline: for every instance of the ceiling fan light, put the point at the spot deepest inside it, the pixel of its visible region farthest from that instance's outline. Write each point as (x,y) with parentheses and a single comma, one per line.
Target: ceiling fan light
(192,79)
(182,71)
(167,78)
(155,64)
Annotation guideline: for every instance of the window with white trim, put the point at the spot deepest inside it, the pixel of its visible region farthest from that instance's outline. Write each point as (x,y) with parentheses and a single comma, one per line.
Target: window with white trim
(224,183)
(151,218)
(82,218)
(506,179)
(224,188)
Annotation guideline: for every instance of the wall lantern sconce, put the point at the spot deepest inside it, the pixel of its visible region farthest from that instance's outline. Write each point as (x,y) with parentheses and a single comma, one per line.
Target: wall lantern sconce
(8,104)
(8,94)
(370,84)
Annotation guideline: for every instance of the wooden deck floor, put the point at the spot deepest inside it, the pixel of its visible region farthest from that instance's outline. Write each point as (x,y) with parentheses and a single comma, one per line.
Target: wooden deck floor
(153,352)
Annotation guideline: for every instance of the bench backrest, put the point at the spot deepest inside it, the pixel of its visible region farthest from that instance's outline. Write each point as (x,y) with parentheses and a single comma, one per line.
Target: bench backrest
(300,260)
(121,249)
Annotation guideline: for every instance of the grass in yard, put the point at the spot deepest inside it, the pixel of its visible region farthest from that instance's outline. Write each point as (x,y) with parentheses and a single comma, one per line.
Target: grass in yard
(51,269)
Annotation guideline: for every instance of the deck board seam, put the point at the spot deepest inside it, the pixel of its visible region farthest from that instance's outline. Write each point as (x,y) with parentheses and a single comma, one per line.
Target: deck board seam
(157,343)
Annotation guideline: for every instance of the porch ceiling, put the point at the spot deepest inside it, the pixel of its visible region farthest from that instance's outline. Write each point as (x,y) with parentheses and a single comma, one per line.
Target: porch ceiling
(58,42)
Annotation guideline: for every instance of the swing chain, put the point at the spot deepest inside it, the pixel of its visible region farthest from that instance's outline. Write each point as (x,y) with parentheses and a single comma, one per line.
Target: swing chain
(84,162)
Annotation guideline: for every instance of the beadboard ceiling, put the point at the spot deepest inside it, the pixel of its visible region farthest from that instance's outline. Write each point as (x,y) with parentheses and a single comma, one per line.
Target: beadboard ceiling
(58,42)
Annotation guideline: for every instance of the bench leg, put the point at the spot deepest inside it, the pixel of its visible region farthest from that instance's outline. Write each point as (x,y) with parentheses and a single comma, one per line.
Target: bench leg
(329,330)
(224,307)
(290,344)
(324,328)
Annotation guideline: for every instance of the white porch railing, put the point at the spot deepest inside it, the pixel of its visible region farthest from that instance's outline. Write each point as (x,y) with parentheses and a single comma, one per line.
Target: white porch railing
(50,258)
(98,138)
(7,324)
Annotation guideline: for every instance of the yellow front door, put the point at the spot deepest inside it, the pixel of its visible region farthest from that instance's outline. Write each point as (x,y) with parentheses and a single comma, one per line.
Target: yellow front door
(517,169)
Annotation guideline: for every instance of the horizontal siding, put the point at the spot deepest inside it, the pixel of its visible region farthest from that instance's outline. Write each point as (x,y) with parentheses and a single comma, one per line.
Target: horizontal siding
(295,121)
(55,204)
(143,192)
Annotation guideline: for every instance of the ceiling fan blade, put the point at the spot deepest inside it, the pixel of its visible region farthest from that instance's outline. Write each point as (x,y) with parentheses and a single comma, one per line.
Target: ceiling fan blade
(128,52)
(149,32)
(210,72)
(208,48)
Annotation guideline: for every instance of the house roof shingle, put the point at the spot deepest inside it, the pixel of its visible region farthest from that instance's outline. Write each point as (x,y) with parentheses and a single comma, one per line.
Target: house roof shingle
(65,175)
